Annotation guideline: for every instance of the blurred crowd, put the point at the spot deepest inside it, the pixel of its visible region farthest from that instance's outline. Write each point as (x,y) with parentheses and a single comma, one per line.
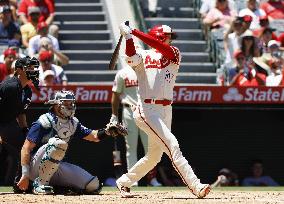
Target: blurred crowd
(27,28)
(256,176)
(246,40)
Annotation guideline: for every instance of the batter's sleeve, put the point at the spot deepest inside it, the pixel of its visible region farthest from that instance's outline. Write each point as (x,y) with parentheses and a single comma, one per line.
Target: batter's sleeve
(118,84)
(177,55)
(82,131)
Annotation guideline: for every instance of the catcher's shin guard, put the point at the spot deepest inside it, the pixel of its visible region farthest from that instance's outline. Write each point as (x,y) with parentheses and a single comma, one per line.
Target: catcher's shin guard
(54,153)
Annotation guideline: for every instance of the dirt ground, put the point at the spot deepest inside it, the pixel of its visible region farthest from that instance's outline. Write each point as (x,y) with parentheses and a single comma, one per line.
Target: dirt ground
(153,197)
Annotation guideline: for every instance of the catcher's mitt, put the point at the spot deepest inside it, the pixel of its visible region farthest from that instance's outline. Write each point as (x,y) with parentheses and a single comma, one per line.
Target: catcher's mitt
(115,129)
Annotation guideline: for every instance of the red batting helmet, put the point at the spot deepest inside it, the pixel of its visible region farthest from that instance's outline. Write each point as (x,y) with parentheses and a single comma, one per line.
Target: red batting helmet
(160,31)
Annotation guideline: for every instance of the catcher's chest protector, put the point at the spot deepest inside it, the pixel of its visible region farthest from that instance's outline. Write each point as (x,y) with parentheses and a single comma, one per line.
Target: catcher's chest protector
(61,128)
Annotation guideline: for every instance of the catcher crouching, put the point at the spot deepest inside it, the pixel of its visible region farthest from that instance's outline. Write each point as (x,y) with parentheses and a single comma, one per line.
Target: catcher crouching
(46,144)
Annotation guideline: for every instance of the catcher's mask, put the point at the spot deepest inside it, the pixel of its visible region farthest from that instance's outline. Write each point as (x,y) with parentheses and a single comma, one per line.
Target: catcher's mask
(66,102)
(160,32)
(30,67)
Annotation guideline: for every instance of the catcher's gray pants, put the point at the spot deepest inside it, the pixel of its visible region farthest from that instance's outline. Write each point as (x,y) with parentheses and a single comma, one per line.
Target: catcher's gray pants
(67,175)
(132,137)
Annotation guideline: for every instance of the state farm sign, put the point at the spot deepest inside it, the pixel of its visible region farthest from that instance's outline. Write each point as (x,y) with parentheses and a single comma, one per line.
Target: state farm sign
(190,94)
(83,94)
(255,94)
(181,94)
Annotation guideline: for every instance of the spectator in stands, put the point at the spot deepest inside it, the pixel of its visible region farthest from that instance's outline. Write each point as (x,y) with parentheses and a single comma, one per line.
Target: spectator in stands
(239,65)
(264,23)
(275,77)
(13,6)
(15,45)
(34,43)
(48,78)
(59,58)
(28,30)
(8,28)
(247,19)
(249,76)
(254,11)
(264,37)
(248,45)
(232,40)
(207,5)
(258,178)
(273,8)
(45,58)
(6,67)
(226,177)
(46,13)
(220,17)
(281,40)
(274,49)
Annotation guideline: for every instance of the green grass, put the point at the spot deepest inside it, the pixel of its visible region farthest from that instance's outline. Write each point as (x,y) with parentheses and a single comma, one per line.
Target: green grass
(9,189)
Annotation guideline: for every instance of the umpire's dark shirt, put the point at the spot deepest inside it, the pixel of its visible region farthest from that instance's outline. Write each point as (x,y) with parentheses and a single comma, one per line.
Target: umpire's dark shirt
(14,99)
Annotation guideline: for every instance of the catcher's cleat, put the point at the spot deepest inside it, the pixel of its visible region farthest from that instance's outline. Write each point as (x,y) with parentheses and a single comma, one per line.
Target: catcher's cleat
(42,189)
(124,191)
(202,190)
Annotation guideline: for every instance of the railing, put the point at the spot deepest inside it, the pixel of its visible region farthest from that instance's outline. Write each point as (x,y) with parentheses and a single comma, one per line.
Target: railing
(139,17)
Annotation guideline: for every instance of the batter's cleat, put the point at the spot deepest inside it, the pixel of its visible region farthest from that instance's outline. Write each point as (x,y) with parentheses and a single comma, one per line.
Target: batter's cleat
(124,191)
(202,190)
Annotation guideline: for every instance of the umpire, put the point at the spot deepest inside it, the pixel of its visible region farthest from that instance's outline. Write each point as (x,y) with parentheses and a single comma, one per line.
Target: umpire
(15,97)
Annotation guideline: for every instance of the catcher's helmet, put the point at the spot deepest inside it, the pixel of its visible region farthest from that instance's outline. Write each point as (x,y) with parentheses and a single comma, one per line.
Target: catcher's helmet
(160,31)
(59,97)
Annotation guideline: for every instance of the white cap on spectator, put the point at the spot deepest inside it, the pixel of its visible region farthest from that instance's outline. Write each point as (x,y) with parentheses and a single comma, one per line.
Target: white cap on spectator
(33,9)
(273,42)
(247,33)
(48,73)
(45,41)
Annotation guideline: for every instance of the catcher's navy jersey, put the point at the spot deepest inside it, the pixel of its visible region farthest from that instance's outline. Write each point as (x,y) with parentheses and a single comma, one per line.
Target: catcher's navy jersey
(40,132)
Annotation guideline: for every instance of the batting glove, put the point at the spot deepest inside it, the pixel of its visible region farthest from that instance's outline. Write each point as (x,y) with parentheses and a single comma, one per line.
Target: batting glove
(125,30)
(113,119)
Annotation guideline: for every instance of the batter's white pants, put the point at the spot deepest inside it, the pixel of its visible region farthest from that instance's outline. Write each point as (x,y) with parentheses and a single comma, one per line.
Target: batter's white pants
(155,121)
(132,137)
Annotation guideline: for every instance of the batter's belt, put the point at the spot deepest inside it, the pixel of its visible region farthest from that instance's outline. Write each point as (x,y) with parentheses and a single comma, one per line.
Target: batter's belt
(163,102)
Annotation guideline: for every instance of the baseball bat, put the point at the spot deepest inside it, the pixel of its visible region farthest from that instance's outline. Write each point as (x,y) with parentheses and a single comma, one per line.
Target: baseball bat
(115,53)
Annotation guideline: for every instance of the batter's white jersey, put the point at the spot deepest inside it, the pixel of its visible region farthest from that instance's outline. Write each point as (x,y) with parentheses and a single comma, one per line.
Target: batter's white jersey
(156,74)
(126,84)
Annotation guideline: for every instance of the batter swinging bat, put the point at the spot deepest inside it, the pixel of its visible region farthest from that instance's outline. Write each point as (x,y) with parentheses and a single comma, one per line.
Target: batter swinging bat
(115,53)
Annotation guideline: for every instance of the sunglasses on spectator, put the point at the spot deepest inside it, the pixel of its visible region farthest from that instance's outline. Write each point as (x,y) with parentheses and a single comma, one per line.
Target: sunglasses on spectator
(34,14)
(248,38)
